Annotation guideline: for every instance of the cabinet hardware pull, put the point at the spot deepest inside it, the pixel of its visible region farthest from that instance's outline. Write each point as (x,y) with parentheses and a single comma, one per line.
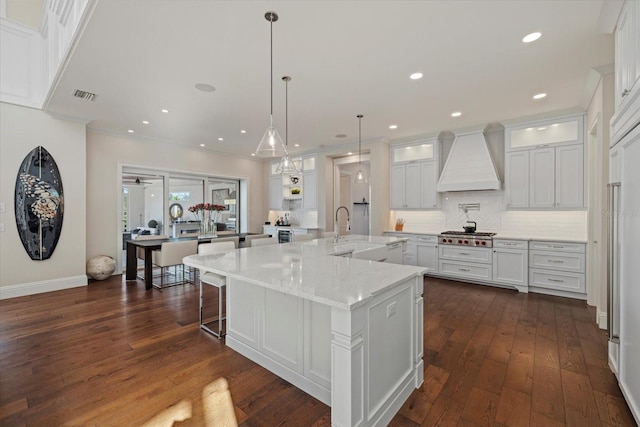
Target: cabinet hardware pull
(557,246)
(555,261)
(463,253)
(463,269)
(542,145)
(556,280)
(625,92)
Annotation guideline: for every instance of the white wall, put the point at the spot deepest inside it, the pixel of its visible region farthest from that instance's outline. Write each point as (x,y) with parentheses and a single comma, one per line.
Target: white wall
(21,130)
(106,152)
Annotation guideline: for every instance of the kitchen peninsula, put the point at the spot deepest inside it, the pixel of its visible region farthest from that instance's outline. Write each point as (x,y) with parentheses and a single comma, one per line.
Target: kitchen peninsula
(347,331)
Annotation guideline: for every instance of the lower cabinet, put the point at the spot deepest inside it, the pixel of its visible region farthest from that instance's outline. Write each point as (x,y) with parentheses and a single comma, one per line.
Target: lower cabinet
(511,263)
(557,268)
(465,262)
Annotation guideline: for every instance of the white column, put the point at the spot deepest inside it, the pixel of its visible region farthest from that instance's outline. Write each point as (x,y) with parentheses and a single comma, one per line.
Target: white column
(419,331)
(348,367)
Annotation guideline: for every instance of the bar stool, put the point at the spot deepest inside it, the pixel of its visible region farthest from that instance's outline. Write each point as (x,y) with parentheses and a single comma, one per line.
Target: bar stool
(217,281)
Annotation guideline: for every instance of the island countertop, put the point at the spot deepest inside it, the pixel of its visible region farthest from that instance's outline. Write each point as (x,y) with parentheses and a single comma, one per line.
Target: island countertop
(310,270)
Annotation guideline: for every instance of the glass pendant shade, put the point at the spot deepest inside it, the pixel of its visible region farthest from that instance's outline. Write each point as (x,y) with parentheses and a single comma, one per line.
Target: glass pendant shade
(287,166)
(271,144)
(361,177)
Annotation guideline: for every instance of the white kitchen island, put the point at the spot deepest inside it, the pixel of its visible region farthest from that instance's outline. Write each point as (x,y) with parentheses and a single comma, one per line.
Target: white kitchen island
(347,331)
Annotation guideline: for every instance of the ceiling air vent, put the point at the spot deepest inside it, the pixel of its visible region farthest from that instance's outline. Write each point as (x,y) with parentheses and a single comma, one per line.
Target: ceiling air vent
(84,95)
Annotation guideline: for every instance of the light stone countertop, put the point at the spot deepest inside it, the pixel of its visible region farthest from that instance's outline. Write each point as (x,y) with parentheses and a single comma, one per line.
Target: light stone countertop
(308,270)
(499,235)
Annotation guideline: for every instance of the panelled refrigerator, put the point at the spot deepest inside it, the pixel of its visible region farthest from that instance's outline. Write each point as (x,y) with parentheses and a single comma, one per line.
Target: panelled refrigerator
(624,267)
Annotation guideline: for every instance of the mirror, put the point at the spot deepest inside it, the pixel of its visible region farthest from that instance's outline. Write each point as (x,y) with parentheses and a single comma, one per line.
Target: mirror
(175,211)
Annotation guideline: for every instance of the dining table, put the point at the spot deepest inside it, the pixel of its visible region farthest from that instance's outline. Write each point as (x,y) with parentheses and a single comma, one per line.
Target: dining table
(151,245)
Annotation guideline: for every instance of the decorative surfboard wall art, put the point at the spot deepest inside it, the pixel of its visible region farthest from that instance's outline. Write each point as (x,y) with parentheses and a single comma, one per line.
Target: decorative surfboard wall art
(39,204)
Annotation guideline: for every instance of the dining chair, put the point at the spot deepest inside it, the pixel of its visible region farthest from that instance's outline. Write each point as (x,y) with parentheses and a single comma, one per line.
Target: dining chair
(140,251)
(234,239)
(264,241)
(302,237)
(249,238)
(171,254)
(215,247)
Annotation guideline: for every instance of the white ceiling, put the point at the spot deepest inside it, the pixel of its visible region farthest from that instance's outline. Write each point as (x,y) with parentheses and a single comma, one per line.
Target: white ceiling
(345,58)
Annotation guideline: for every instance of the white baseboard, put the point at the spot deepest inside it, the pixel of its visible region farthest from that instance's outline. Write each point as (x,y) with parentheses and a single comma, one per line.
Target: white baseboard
(602,320)
(23,289)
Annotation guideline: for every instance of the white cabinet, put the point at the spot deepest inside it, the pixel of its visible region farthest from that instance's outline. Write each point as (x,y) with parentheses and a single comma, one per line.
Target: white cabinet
(627,57)
(557,268)
(465,262)
(309,183)
(420,250)
(275,192)
(511,263)
(627,71)
(544,164)
(414,175)
(517,179)
(541,177)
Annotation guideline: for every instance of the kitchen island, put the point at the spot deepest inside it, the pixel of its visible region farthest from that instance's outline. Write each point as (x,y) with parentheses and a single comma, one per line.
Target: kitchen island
(347,331)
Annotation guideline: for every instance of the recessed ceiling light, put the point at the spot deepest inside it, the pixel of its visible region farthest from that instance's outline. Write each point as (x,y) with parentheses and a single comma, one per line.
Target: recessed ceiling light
(539,95)
(253,154)
(243,131)
(341,135)
(146,122)
(220,139)
(201,145)
(349,153)
(130,131)
(531,37)
(393,126)
(296,145)
(456,114)
(415,76)
(164,111)
(205,87)
(543,128)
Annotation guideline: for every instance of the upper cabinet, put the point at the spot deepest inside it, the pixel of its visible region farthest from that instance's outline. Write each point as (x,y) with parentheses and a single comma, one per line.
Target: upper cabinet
(294,191)
(414,174)
(544,164)
(627,71)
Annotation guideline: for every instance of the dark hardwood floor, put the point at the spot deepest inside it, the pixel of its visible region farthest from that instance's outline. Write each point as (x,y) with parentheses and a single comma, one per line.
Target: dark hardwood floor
(114,354)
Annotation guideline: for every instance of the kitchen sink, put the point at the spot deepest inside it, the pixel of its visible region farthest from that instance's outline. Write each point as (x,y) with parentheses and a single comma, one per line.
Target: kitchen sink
(360,250)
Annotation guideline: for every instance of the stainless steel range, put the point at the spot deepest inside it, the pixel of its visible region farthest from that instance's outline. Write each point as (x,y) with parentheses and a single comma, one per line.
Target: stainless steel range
(462,238)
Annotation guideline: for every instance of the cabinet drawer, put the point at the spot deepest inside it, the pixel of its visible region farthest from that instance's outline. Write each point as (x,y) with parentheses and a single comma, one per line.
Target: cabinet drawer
(462,253)
(557,246)
(510,244)
(424,239)
(557,261)
(571,282)
(471,271)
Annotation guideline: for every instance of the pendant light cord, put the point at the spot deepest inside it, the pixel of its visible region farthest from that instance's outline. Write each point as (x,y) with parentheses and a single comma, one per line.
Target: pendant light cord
(360,139)
(286,113)
(271,54)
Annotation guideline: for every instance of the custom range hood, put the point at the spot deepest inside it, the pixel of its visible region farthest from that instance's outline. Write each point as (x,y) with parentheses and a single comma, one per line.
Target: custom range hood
(469,165)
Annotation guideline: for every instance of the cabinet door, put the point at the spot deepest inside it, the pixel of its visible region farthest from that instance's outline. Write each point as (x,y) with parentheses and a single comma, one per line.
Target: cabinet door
(427,256)
(510,267)
(412,185)
(624,54)
(542,178)
(517,179)
(309,190)
(428,181)
(275,192)
(410,253)
(570,176)
(397,186)
(614,164)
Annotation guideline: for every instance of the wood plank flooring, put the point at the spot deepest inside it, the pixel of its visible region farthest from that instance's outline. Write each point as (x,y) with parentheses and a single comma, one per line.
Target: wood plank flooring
(112,353)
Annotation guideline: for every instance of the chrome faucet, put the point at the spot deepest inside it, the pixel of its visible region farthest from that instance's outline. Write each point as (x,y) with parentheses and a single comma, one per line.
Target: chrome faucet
(348,224)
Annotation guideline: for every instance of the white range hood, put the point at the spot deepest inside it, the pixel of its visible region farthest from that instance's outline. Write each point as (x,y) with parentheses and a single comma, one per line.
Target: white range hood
(469,166)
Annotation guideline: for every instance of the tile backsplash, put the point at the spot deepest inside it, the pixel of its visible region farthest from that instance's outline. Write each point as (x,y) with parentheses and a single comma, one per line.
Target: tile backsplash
(492,216)
(300,218)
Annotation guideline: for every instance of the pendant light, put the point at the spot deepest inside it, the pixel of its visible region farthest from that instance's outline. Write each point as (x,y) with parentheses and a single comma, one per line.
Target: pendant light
(271,144)
(286,165)
(360,177)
